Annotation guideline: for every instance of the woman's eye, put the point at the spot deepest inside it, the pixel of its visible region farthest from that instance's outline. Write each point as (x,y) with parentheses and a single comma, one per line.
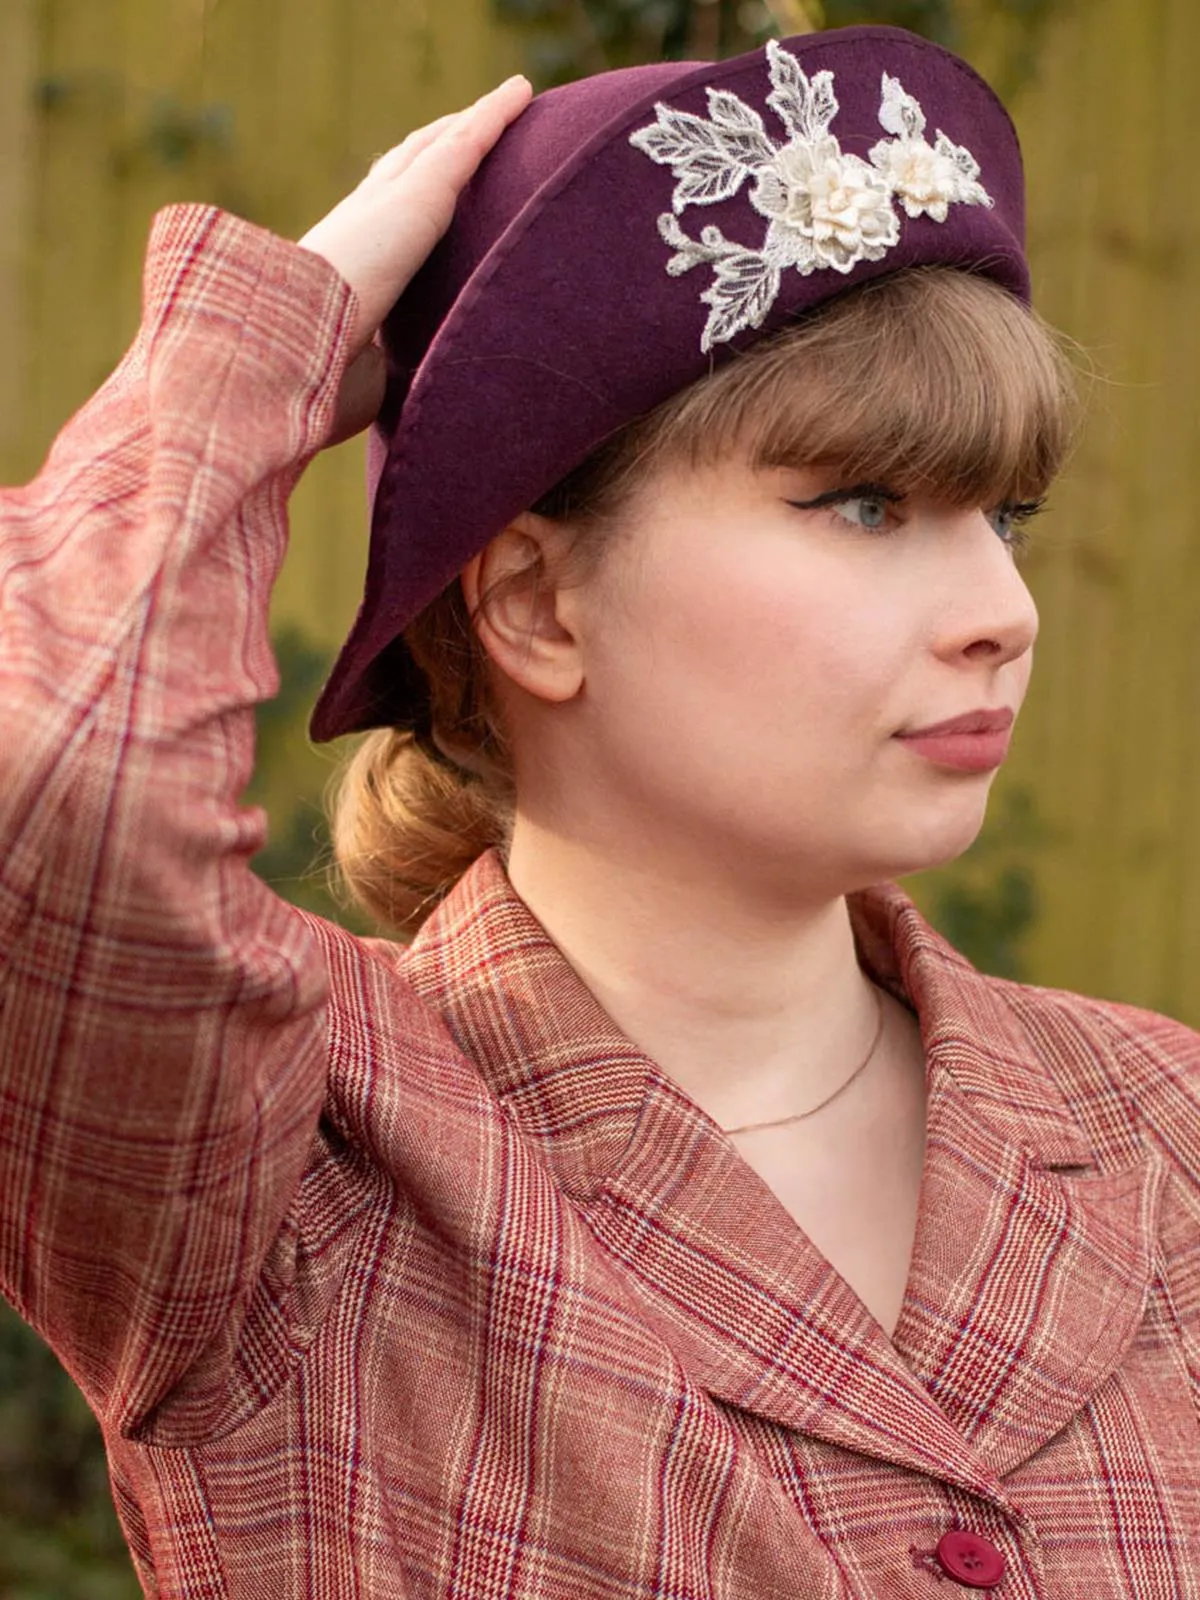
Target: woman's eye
(866,510)
(1003,521)
(1010,521)
(871,506)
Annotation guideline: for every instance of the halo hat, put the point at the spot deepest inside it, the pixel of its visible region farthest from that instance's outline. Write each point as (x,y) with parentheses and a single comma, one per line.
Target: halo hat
(630,232)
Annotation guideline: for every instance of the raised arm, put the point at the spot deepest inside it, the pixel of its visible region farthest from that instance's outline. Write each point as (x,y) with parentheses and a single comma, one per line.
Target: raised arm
(162,1052)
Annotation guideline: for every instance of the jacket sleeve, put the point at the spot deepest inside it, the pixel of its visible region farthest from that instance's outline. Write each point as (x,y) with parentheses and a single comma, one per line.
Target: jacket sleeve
(162,1014)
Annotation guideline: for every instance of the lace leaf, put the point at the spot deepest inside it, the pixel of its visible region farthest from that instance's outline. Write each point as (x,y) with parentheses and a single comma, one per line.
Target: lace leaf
(707,177)
(965,162)
(707,158)
(743,290)
(899,113)
(805,107)
(741,129)
(823,105)
(675,137)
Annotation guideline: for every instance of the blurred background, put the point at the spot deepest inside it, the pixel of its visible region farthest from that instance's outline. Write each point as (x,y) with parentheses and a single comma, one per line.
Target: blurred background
(1088,874)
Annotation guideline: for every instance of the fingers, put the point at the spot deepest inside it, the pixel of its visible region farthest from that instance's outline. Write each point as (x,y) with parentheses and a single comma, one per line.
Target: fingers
(474,131)
(437,162)
(429,179)
(480,123)
(394,161)
(481,126)
(378,236)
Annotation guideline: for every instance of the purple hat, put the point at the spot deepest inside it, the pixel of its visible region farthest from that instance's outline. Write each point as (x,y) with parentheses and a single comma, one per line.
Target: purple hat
(629,232)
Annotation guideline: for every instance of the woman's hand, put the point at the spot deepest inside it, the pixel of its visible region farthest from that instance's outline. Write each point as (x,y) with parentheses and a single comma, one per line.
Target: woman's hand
(379,235)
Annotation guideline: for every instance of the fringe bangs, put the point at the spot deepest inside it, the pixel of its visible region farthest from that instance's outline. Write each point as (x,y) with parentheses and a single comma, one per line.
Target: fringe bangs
(931,382)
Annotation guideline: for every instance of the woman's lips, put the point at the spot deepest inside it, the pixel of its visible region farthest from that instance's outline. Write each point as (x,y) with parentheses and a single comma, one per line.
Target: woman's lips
(975,742)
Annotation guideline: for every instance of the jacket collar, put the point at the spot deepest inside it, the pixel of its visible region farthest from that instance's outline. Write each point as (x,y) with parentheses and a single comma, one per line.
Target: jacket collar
(1030,1269)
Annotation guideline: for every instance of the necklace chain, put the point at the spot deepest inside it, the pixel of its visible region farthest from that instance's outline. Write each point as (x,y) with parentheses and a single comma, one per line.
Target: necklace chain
(799,1116)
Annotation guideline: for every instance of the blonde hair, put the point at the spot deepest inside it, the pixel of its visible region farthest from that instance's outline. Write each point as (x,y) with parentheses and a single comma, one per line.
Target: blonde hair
(929,380)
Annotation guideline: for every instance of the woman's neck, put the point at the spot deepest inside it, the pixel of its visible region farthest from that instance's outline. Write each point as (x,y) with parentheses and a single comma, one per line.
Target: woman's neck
(756,1010)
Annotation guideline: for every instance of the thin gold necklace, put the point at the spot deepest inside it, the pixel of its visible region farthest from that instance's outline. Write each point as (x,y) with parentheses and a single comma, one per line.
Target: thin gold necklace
(799,1116)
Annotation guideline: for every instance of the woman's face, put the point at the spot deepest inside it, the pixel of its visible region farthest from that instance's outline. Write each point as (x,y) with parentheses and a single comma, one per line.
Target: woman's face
(752,665)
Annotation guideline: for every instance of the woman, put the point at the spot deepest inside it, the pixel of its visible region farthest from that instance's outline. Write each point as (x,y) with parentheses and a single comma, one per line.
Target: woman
(678,1215)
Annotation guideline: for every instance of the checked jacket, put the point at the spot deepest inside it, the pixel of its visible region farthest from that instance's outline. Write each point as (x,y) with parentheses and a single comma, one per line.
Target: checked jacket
(401,1274)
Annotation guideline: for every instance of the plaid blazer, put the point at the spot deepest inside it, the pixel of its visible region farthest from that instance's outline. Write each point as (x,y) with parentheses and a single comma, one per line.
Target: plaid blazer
(404,1274)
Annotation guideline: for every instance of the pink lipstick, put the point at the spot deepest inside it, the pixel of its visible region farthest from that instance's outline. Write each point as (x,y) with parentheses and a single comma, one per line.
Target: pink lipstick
(975,742)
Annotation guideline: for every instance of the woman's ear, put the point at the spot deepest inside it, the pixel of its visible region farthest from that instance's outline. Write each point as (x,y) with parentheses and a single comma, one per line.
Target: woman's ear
(522,610)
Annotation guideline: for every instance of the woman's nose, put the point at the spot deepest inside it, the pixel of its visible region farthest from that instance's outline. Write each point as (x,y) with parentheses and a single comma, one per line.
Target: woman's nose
(991,615)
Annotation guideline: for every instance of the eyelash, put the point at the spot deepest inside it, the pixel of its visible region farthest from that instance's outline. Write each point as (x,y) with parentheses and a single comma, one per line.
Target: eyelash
(1019,512)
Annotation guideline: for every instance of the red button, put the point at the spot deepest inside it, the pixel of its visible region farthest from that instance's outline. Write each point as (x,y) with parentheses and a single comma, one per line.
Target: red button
(970,1559)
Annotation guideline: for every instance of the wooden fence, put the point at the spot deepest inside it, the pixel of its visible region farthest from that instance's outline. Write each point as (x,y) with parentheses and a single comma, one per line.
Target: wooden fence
(273,108)
(1108,753)
(109,108)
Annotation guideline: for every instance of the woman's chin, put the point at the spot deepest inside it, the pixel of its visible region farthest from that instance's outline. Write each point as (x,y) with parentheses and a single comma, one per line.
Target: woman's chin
(934,839)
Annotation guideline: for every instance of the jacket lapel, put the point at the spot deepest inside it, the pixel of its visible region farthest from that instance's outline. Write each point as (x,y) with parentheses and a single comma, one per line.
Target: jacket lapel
(1027,1282)
(1027,1286)
(755,1313)
(1033,1260)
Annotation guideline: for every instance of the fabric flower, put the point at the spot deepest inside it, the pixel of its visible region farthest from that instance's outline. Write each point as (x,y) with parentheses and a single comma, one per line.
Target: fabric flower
(826,209)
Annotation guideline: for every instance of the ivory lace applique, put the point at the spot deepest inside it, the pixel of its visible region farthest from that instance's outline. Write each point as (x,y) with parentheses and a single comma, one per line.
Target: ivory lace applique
(927,178)
(824,208)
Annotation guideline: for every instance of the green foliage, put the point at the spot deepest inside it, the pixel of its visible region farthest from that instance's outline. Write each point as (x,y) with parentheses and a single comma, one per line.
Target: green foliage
(173,133)
(59,1536)
(986,903)
(570,38)
(935,19)
(988,922)
(164,130)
